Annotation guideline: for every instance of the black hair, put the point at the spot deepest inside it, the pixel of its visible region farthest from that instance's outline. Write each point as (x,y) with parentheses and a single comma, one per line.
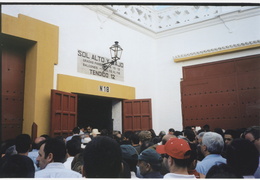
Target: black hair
(16,166)
(161,134)
(102,158)
(178,133)
(6,144)
(76,138)
(35,146)
(125,172)
(117,139)
(60,138)
(156,166)
(128,134)
(132,162)
(73,147)
(153,133)
(222,171)
(145,145)
(206,128)
(23,143)
(188,127)
(171,130)
(183,162)
(233,133)
(219,131)
(106,132)
(189,134)
(76,130)
(200,155)
(156,140)
(243,156)
(45,136)
(254,130)
(201,130)
(57,148)
(134,138)
(193,153)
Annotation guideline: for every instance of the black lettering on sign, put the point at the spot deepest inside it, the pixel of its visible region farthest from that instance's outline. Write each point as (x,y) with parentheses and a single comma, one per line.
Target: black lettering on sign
(104,89)
(83,54)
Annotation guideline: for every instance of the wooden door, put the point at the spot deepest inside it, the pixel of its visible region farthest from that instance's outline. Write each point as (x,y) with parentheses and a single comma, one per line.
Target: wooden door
(224,94)
(63,113)
(137,115)
(12,98)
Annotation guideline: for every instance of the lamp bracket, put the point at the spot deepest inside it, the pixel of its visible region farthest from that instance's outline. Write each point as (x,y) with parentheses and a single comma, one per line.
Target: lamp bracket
(107,65)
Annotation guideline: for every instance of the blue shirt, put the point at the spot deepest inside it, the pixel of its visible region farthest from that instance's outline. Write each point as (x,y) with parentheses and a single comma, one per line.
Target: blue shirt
(209,161)
(257,173)
(33,155)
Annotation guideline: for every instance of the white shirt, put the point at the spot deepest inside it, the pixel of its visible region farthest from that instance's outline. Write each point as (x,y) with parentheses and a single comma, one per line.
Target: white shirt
(133,175)
(68,162)
(178,176)
(57,170)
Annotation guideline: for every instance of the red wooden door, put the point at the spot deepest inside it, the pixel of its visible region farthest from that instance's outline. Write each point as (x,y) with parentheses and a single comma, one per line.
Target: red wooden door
(223,94)
(63,113)
(137,115)
(12,98)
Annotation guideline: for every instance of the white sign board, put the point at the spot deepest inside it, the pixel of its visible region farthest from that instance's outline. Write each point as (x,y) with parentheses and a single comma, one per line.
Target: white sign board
(89,63)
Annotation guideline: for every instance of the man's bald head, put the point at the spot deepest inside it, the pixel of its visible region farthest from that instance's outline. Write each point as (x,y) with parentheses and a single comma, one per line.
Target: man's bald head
(38,142)
(39,139)
(166,138)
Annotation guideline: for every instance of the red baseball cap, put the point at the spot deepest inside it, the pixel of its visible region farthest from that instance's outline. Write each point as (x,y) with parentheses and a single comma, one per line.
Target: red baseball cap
(176,148)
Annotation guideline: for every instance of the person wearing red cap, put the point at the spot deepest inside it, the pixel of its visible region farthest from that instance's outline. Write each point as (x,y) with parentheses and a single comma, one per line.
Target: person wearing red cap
(177,151)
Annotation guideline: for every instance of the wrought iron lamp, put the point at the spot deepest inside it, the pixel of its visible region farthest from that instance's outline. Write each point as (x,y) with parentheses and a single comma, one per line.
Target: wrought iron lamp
(116,52)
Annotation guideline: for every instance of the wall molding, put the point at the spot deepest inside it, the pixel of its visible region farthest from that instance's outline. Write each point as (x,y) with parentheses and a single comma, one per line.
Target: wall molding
(217,51)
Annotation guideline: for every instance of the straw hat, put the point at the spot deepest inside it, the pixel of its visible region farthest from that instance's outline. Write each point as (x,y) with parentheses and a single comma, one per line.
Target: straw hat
(94,132)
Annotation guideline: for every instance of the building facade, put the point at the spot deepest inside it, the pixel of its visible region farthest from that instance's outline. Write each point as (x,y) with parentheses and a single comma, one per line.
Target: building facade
(64,46)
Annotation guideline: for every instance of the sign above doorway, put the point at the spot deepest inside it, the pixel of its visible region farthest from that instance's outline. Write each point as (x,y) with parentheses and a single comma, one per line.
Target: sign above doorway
(89,63)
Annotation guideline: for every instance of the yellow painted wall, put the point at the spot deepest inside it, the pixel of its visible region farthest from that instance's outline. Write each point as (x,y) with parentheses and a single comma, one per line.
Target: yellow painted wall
(39,73)
(86,86)
(40,60)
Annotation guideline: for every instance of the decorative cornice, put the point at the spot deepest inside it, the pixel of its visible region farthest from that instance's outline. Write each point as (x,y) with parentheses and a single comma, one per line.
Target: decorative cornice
(173,16)
(217,51)
(211,22)
(163,23)
(109,13)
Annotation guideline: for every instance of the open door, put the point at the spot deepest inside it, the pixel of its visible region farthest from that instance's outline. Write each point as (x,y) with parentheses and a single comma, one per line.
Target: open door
(63,113)
(137,115)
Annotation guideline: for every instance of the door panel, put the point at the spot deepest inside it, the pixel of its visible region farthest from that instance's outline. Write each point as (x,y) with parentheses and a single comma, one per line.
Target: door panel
(206,71)
(63,113)
(13,73)
(228,96)
(137,115)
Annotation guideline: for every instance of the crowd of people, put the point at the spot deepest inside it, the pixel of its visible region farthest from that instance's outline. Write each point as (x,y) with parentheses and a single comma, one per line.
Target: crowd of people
(90,153)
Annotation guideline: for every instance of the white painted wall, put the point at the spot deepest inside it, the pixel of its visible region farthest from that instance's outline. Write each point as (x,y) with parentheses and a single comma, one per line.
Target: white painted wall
(167,108)
(117,114)
(149,64)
